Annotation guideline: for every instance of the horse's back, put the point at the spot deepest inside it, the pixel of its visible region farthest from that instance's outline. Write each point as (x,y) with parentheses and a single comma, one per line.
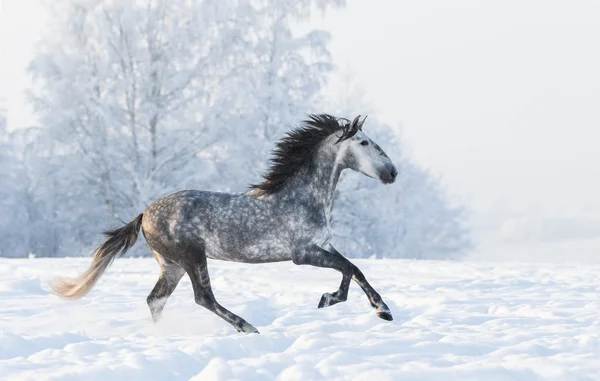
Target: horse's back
(176,216)
(227,226)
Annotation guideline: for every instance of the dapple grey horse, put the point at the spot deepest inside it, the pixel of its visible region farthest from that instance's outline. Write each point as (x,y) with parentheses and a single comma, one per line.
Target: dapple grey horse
(286,217)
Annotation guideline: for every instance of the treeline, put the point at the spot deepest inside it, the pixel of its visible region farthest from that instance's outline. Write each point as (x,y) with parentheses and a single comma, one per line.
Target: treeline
(139,98)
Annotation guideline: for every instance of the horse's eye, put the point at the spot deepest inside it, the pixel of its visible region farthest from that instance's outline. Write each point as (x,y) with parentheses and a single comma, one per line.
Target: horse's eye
(364,143)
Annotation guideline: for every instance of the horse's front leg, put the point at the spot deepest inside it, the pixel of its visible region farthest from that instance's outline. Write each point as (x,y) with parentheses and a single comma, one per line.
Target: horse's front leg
(375,299)
(316,256)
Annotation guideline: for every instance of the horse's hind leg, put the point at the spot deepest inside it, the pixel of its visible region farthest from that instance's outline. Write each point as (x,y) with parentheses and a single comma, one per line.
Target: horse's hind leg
(198,273)
(170,275)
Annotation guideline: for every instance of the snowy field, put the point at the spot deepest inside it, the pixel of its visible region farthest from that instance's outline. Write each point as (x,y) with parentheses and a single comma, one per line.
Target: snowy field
(453,321)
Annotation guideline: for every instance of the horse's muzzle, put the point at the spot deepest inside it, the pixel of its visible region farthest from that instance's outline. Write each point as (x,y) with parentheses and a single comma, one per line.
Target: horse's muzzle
(388,174)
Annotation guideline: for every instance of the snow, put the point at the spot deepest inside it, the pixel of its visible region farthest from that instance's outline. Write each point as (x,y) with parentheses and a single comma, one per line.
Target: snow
(453,321)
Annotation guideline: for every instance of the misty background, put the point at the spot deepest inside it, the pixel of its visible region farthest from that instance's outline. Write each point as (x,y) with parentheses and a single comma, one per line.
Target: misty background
(491,109)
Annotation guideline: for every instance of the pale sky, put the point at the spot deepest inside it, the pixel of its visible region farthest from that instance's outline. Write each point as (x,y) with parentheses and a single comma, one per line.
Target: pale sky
(501,99)
(20,26)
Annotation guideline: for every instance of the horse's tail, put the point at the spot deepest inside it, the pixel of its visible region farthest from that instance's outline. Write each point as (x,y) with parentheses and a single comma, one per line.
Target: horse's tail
(119,242)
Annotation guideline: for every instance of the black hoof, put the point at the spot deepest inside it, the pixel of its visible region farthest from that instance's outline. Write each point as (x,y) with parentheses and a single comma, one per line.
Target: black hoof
(325,301)
(385,315)
(247,328)
(329,300)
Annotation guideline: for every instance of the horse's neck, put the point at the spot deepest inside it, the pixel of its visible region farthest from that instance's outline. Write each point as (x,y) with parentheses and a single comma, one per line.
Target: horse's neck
(314,186)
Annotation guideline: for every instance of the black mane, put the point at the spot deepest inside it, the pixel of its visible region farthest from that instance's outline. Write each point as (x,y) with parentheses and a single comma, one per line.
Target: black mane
(297,148)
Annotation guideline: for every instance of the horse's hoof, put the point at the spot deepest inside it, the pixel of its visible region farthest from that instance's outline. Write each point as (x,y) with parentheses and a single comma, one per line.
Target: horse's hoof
(248,328)
(325,300)
(385,315)
(329,300)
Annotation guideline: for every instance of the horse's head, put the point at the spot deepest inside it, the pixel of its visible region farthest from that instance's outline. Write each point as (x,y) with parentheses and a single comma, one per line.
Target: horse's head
(360,153)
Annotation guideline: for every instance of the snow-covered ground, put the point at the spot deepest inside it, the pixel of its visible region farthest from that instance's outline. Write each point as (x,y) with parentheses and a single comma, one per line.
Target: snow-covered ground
(453,321)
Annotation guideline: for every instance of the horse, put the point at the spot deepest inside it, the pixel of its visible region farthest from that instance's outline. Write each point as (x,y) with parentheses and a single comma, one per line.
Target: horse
(285,217)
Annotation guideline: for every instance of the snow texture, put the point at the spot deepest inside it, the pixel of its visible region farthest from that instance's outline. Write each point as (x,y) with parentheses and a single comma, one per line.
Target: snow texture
(453,321)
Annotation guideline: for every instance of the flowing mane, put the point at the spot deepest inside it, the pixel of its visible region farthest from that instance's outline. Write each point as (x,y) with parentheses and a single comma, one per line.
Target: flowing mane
(298,147)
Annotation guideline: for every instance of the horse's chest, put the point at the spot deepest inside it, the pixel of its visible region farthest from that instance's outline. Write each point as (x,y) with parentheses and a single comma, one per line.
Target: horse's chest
(318,231)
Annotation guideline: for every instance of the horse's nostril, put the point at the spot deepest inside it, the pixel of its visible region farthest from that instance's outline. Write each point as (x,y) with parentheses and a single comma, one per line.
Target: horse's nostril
(393,174)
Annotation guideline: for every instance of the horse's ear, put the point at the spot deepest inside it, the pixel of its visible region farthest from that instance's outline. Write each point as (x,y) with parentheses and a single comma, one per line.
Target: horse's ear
(349,130)
(355,123)
(354,127)
(360,124)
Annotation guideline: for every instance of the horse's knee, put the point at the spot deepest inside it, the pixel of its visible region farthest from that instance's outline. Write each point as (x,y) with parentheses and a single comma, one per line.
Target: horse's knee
(203,299)
(348,269)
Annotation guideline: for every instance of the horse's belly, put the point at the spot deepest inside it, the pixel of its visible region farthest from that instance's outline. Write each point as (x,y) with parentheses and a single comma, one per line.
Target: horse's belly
(260,253)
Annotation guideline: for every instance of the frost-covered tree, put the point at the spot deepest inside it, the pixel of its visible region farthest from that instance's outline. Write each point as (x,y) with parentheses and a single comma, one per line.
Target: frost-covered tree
(126,89)
(281,79)
(22,225)
(127,92)
(13,219)
(6,180)
(138,98)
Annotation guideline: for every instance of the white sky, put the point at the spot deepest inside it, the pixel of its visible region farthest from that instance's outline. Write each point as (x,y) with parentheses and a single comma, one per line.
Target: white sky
(502,98)
(20,26)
